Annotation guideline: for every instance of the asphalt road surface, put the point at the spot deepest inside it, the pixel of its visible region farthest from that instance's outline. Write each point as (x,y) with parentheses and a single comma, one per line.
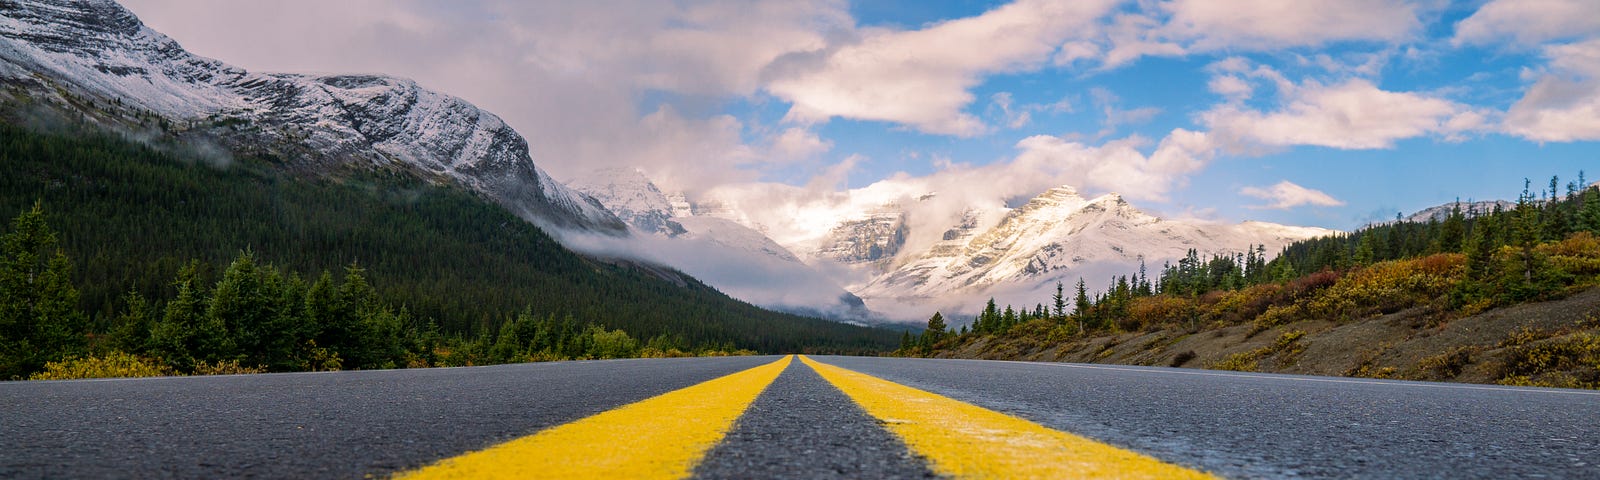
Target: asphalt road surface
(353,424)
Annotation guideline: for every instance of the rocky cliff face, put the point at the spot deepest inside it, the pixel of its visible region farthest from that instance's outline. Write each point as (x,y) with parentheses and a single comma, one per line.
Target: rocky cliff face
(95,58)
(876,237)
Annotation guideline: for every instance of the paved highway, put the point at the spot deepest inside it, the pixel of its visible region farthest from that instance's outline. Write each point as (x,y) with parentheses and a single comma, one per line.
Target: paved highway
(768,417)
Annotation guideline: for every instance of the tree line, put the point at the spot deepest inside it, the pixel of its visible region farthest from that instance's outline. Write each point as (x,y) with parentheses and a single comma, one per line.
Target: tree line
(257,317)
(135,217)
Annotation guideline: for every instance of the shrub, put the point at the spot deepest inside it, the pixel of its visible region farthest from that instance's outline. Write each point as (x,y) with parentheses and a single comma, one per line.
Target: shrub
(1448,364)
(1160,310)
(1576,353)
(1287,347)
(1387,287)
(225,367)
(1182,357)
(1238,362)
(112,365)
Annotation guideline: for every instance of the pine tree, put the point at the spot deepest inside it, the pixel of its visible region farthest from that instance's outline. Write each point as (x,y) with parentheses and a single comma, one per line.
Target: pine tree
(1080,303)
(130,332)
(39,317)
(935,330)
(1366,248)
(1590,216)
(1060,304)
(990,318)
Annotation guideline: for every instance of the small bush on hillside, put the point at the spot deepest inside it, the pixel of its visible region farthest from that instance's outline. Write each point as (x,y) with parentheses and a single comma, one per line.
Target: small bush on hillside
(1577,355)
(1449,364)
(1182,358)
(226,367)
(1287,347)
(111,365)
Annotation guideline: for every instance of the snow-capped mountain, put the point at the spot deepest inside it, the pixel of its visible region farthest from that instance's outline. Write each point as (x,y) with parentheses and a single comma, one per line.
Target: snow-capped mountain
(703,241)
(1469,209)
(95,58)
(633,198)
(1057,233)
(878,235)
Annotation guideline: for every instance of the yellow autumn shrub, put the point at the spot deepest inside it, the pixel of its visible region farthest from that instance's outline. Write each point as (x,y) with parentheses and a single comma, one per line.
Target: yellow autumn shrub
(111,365)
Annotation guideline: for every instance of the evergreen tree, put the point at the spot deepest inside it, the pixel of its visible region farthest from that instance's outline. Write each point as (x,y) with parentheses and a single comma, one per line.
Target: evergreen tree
(1366,250)
(1589,218)
(39,317)
(247,302)
(990,318)
(130,332)
(1452,232)
(1080,304)
(1060,304)
(935,331)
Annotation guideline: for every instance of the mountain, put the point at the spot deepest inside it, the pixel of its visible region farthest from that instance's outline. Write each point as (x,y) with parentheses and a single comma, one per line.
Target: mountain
(319,172)
(1058,234)
(627,193)
(907,250)
(876,236)
(132,215)
(702,240)
(96,58)
(1469,209)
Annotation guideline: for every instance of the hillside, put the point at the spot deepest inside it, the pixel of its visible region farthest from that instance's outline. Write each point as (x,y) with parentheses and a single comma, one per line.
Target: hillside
(131,215)
(1505,296)
(1541,343)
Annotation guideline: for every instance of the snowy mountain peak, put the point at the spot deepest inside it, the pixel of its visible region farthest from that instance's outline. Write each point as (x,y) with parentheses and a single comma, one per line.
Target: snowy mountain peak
(95,58)
(1057,234)
(632,197)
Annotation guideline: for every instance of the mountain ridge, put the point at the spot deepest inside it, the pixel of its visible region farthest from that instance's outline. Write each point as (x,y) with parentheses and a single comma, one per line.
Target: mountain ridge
(97,56)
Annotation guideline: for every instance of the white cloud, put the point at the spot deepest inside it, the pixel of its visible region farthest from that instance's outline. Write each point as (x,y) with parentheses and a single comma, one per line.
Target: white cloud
(1232,88)
(797,143)
(569,76)
(1114,115)
(1275,24)
(1529,22)
(1286,195)
(1014,116)
(1352,115)
(1564,104)
(922,78)
(800,216)
(1181,27)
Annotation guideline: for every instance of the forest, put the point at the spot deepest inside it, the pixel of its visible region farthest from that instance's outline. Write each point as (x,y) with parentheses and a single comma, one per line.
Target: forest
(156,251)
(1544,248)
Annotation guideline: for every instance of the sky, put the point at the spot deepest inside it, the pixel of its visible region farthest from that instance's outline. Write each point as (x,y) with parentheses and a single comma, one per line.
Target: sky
(1329,113)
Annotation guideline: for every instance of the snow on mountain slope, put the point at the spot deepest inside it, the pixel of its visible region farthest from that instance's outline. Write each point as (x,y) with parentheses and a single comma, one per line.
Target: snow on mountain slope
(1469,209)
(96,57)
(1054,234)
(731,234)
(632,197)
(877,236)
(702,240)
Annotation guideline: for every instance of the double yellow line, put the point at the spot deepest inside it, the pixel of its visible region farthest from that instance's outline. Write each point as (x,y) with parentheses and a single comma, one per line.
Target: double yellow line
(665,436)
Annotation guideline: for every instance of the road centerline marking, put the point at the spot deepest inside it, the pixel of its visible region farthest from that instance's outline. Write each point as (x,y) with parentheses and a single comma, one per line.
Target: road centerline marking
(658,437)
(963,440)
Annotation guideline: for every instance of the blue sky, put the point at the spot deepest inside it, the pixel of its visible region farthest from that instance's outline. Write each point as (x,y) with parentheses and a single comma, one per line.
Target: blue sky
(1325,113)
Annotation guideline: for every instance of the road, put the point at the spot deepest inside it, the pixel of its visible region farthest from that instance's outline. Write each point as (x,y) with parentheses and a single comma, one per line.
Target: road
(793,422)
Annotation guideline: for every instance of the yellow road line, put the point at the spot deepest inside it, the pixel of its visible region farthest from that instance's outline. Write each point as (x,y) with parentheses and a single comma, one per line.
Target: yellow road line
(659,437)
(962,440)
